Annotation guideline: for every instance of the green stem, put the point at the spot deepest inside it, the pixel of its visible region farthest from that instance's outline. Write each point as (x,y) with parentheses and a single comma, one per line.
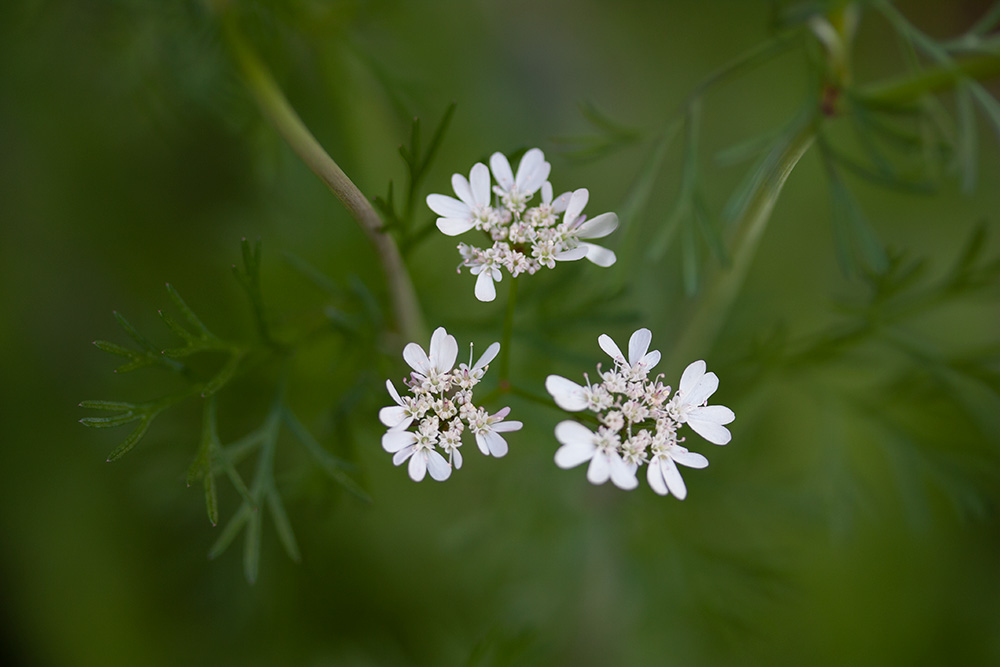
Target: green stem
(508,330)
(718,299)
(286,121)
(906,90)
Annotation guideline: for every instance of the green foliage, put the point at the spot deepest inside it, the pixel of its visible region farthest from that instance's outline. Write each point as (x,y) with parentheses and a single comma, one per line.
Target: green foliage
(871,427)
(418,161)
(900,144)
(611,136)
(883,321)
(212,457)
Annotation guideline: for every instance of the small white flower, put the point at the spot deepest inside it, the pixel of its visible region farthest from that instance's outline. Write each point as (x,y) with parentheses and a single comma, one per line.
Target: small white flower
(472,206)
(614,382)
(598,398)
(423,458)
(580,444)
(689,405)
(640,360)
(488,274)
(663,475)
(399,417)
(451,440)
(487,429)
(467,377)
(634,411)
(614,420)
(578,227)
(557,205)
(532,172)
(444,351)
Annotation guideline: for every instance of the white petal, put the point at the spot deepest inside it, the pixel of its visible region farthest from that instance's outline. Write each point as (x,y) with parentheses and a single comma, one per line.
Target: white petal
(532,171)
(438,466)
(448,207)
(399,457)
(496,444)
(689,459)
(569,432)
(600,469)
(457,453)
(480,184)
(462,189)
(418,466)
(392,392)
(561,202)
(393,441)
(576,204)
(546,193)
(484,446)
(611,348)
(706,386)
(500,414)
(719,414)
(415,356)
(572,254)
(599,255)
(599,227)
(673,478)
(485,291)
(622,475)
(573,454)
(638,345)
(501,171)
(650,359)
(455,226)
(713,431)
(567,394)
(506,427)
(392,416)
(487,356)
(655,478)
(444,350)
(691,376)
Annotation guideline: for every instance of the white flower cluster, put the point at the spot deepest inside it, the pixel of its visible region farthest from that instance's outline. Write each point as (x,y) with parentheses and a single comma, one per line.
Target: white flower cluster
(639,420)
(442,409)
(524,239)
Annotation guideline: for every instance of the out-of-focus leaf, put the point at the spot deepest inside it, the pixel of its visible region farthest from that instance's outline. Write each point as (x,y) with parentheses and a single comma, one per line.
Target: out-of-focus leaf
(231,530)
(283,526)
(252,547)
(966,147)
(610,136)
(690,261)
(988,104)
(333,466)
(852,233)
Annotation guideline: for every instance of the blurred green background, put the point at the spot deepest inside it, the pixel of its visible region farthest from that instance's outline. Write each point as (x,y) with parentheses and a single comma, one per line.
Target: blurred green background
(853,519)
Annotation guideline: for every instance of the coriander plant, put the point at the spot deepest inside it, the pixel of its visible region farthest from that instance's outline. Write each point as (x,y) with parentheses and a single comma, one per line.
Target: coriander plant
(677,261)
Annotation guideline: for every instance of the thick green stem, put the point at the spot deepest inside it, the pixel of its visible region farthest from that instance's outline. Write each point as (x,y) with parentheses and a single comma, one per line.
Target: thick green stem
(286,121)
(717,300)
(508,330)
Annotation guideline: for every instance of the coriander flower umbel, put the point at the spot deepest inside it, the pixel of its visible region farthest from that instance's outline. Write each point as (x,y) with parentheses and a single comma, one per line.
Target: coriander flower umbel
(442,407)
(638,425)
(521,238)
